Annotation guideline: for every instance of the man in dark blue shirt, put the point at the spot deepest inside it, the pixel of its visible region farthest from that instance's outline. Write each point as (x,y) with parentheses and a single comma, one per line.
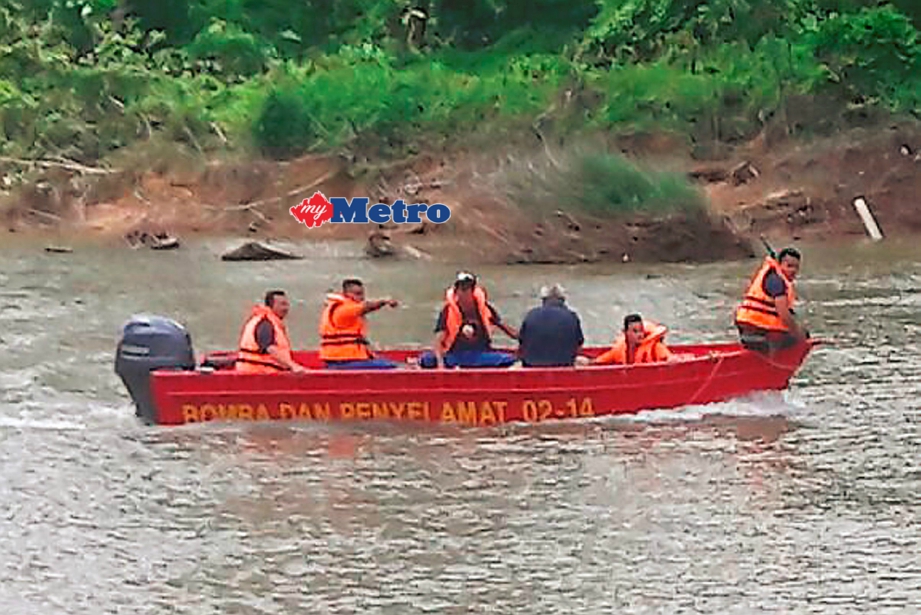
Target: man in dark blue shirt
(551,335)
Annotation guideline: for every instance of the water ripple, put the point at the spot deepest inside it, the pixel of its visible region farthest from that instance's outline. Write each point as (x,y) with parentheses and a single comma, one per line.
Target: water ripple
(800,502)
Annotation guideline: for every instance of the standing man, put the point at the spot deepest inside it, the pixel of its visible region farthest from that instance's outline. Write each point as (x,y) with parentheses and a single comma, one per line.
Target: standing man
(765,318)
(462,332)
(344,330)
(551,335)
(265,347)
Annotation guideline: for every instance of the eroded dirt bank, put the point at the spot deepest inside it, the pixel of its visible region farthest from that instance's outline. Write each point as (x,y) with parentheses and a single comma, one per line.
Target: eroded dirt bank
(788,192)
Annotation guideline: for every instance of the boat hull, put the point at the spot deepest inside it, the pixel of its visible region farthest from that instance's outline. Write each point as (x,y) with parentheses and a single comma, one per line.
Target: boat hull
(472,397)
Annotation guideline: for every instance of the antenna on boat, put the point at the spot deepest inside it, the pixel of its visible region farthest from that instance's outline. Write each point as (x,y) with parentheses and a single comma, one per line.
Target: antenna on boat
(768,247)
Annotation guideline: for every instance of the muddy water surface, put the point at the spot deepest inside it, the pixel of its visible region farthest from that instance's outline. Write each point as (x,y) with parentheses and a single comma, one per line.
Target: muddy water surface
(801,503)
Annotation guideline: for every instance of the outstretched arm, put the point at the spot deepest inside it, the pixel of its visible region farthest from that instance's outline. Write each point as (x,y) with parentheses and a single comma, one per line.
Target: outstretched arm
(508,330)
(373,306)
(500,324)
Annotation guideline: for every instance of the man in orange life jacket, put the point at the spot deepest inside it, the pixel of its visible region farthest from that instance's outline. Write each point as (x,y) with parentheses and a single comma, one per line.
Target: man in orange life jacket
(462,333)
(765,318)
(641,342)
(265,347)
(344,331)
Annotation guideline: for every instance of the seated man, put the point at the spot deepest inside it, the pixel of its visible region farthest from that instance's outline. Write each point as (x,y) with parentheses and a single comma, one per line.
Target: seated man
(343,329)
(462,333)
(265,347)
(641,342)
(765,318)
(551,335)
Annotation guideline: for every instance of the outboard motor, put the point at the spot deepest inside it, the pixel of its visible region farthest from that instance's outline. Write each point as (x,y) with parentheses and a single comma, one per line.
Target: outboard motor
(150,343)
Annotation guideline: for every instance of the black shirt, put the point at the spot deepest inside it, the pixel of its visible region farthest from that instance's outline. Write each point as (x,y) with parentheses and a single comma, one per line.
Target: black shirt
(479,342)
(550,336)
(265,335)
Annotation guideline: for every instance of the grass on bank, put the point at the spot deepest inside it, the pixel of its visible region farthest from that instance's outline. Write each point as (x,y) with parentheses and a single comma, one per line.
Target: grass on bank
(598,183)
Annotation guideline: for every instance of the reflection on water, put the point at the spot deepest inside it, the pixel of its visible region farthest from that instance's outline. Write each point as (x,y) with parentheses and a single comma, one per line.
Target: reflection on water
(801,502)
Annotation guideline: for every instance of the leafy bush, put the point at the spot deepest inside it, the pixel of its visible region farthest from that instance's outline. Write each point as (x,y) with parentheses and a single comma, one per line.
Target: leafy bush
(642,30)
(363,92)
(84,77)
(284,127)
(233,51)
(873,52)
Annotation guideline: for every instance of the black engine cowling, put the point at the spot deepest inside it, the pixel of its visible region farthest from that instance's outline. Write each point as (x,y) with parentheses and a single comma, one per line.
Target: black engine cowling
(150,343)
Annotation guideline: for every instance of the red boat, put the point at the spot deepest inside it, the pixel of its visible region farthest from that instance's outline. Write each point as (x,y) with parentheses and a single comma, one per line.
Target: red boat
(186,391)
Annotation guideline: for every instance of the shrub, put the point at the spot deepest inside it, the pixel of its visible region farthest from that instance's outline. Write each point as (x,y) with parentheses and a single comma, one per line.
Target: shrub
(600,183)
(284,127)
(874,52)
(229,50)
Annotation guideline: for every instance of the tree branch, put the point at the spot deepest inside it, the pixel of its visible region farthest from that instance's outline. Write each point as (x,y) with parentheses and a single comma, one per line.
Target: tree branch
(287,195)
(71,166)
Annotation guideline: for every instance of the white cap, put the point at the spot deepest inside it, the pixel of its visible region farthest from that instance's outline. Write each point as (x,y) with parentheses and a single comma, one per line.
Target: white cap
(465,276)
(556,290)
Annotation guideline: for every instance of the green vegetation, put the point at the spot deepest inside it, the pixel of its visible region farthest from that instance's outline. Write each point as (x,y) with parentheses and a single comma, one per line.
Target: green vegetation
(82,78)
(598,182)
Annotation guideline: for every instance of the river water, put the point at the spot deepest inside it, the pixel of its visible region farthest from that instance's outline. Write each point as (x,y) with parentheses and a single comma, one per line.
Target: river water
(806,502)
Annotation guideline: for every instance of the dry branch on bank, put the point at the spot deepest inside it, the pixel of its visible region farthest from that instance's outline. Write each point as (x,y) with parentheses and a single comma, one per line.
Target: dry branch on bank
(52,164)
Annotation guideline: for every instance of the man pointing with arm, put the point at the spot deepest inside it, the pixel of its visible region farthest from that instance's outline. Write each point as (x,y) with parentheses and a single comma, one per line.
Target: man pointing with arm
(343,329)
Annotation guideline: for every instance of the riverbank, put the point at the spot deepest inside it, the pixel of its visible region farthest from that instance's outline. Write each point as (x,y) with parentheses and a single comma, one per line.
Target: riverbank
(789,190)
(574,133)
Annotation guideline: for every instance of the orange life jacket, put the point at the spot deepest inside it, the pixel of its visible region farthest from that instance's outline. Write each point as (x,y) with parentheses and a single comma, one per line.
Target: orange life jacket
(342,343)
(454,317)
(757,308)
(249,359)
(651,350)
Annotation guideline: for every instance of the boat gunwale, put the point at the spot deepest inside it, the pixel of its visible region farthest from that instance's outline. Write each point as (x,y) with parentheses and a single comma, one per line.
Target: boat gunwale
(529,373)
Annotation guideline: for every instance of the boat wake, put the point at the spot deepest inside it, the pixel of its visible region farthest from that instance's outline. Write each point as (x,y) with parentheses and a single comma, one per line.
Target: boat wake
(756,405)
(9,422)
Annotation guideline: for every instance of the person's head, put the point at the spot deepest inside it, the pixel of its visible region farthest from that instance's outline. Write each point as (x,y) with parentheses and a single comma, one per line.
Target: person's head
(633,329)
(553,294)
(464,284)
(278,302)
(789,259)
(354,289)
